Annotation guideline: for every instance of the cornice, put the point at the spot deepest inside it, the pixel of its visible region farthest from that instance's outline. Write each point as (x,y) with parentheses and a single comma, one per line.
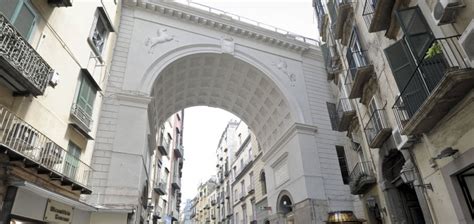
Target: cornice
(226,24)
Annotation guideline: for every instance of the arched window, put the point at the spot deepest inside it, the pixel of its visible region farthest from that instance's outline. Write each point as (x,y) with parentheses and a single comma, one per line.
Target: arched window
(263,182)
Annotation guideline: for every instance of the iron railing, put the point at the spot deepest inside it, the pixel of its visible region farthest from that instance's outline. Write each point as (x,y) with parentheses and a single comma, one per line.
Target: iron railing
(356,60)
(179,151)
(24,139)
(447,56)
(377,123)
(320,13)
(160,187)
(82,116)
(368,12)
(344,106)
(16,50)
(231,16)
(361,171)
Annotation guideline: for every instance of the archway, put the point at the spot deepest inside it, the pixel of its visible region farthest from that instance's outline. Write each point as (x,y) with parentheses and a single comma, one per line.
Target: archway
(401,197)
(226,82)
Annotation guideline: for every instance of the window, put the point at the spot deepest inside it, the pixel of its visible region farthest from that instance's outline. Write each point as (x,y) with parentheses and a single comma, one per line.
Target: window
(466,180)
(242,186)
(100,31)
(244,214)
(263,183)
(332,115)
(341,156)
(71,163)
(86,96)
(21,14)
(254,210)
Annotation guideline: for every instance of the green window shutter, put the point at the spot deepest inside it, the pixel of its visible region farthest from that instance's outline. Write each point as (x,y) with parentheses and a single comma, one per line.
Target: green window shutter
(403,67)
(24,20)
(417,31)
(86,96)
(8,7)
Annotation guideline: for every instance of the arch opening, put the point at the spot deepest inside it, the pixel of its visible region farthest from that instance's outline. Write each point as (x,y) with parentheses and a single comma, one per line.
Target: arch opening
(225,82)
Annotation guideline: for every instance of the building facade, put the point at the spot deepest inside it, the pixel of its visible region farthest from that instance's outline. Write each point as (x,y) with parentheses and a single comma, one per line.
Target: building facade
(404,88)
(50,96)
(166,171)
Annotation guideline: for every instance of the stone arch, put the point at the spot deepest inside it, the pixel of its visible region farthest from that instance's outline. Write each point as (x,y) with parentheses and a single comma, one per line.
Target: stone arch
(192,78)
(284,202)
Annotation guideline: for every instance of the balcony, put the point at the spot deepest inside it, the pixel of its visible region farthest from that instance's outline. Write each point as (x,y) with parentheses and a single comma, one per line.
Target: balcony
(176,183)
(332,60)
(164,146)
(360,71)
(242,195)
(361,178)
(60,3)
(345,113)
(343,23)
(22,69)
(81,120)
(160,187)
(377,130)
(213,202)
(323,19)
(435,87)
(22,142)
(179,151)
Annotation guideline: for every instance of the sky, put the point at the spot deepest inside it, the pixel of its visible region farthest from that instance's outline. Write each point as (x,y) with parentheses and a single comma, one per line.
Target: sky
(203,126)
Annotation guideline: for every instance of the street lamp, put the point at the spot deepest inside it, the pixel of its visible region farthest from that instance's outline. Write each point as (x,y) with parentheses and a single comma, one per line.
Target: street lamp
(408,176)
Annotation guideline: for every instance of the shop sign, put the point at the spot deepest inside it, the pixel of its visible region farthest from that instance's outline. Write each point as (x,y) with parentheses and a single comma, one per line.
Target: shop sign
(58,213)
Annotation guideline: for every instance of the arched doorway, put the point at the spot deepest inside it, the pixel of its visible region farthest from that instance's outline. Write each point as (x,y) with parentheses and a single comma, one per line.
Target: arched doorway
(402,198)
(285,207)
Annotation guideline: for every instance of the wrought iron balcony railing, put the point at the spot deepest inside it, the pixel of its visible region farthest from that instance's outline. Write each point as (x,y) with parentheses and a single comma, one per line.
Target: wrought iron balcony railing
(25,70)
(176,183)
(361,178)
(164,146)
(377,130)
(368,12)
(160,187)
(440,80)
(345,113)
(360,71)
(23,142)
(82,117)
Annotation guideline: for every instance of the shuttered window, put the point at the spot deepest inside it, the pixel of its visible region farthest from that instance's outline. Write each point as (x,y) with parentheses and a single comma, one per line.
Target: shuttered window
(20,14)
(341,156)
(332,115)
(86,96)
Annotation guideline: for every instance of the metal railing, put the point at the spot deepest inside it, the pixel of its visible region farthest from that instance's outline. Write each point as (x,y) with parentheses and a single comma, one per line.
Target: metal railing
(180,151)
(368,12)
(356,59)
(320,13)
(430,70)
(161,186)
(24,139)
(22,56)
(231,16)
(82,116)
(376,124)
(361,170)
(343,106)
(332,11)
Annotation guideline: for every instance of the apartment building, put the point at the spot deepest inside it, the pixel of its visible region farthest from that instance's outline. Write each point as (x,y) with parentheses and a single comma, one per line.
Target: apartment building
(50,95)
(402,73)
(204,199)
(166,171)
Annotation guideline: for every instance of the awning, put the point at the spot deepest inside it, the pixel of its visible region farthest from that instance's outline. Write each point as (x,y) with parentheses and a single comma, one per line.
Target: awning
(53,195)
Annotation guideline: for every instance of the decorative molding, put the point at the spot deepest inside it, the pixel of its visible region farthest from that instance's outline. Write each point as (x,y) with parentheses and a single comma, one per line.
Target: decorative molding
(227,24)
(162,36)
(283,67)
(227,45)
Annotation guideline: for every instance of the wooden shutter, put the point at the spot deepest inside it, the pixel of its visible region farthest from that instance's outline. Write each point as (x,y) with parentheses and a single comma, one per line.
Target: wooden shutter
(403,68)
(417,31)
(332,115)
(86,96)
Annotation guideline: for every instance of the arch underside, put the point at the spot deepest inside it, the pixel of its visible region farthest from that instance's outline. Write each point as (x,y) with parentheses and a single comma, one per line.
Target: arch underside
(222,81)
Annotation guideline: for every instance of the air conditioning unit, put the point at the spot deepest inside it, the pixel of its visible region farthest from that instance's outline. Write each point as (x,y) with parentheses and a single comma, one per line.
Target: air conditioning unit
(401,141)
(445,11)
(467,41)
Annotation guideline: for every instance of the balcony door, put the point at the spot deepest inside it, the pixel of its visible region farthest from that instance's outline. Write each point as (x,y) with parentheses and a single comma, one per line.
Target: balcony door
(21,14)
(71,163)
(355,55)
